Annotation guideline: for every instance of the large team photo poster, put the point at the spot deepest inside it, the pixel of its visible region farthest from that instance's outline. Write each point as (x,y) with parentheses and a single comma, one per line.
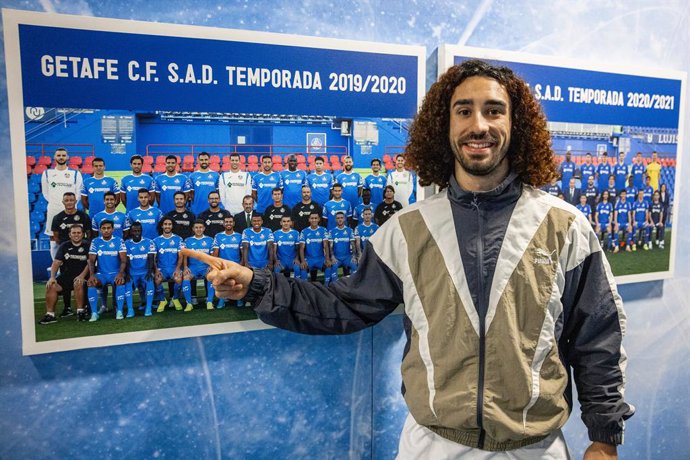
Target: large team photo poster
(122,130)
(615,132)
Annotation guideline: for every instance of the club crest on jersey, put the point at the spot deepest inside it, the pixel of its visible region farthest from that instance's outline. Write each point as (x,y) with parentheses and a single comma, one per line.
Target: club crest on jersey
(77,218)
(66,256)
(80,250)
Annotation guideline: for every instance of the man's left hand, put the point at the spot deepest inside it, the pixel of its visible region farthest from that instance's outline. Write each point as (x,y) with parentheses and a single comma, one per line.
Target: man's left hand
(601,451)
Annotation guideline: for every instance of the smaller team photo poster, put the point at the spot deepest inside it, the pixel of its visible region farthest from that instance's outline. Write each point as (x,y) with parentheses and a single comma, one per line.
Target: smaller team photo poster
(124,114)
(616,135)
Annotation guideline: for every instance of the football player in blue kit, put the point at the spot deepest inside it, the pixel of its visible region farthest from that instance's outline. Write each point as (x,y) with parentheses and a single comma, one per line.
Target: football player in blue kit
(146,215)
(638,171)
(375,182)
(648,189)
(228,245)
(320,182)
(585,208)
(656,221)
(314,250)
(263,184)
(351,182)
(285,245)
(169,183)
(343,248)
(620,172)
(118,218)
(603,220)
(169,264)
(365,203)
(335,205)
(257,243)
(604,170)
(622,218)
(93,188)
(107,265)
(640,210)
(293,180)
(194,269)
(132,183)
(365,229)
(566,170)
(203,182)
(587,170)
(141,259)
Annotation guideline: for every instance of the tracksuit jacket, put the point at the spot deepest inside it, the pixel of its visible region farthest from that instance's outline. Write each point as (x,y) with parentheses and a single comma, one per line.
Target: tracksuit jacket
(505,292)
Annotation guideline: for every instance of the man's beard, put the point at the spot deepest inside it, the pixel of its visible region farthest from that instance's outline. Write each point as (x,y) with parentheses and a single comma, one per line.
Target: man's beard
(472,167)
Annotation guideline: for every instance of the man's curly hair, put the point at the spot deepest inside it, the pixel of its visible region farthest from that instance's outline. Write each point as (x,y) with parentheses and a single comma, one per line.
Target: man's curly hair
(429,152)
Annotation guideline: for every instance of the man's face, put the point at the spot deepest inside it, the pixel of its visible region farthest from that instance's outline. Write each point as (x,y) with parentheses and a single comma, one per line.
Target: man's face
(568,156)
(638,158)
(234,163)
(366,196)
(388,194)
(612,180)
(605,195)
(306,194)
(109,202)
(623,195)
(285,223)
(137,164)
(654,156)
(318,165)
(143,200)
(647,181)
(583,199)
(170,165)
(76,234)
(292,163)
(347,163)
(248,204)
(106,231)
(98,168)
(640,195)
(203,161)
(480,126)
(366,216)
(267,164)
(621,157)
(314,220)
(588,159)
(571,183)
(229,224)
(179,201)
(590,181)
(376,166)
(655,197)
(340,220)
(337,193)
(60,157)
(69,201)
(198,229)
(213,200)
(399,163)
(135,231)
(277,196)
(167,226)
(257,222)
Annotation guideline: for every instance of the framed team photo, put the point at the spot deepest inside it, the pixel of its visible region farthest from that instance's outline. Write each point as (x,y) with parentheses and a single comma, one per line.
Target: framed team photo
(615,133)
(134,140)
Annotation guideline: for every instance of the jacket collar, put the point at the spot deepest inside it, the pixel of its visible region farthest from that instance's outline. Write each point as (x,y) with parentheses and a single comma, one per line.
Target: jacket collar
(508,191)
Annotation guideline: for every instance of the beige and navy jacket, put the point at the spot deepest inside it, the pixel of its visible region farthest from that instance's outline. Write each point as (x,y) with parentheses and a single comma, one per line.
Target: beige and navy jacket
(504,292)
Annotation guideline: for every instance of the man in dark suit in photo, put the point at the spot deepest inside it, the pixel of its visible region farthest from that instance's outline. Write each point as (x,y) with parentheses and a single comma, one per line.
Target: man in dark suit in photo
(243,220)
(571,194)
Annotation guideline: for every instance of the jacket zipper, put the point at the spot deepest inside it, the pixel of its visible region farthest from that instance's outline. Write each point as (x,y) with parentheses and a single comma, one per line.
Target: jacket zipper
(482,318)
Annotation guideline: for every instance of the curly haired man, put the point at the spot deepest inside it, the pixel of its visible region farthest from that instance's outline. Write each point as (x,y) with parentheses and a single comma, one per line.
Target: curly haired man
(506,288)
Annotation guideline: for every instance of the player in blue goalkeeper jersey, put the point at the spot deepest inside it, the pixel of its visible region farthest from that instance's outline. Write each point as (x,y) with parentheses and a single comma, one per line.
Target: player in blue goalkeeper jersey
(314,250)
(141,258)
(169,264)
(622,220)
(228,245)
(257,243)
(285,248)
(107,265)
(603,220)
(344,252)
(194,268)
(640,211)
(146,215)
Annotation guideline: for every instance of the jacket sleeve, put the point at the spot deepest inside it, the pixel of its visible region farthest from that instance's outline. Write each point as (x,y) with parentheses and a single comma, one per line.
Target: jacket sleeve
(348,305)
(594,325)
